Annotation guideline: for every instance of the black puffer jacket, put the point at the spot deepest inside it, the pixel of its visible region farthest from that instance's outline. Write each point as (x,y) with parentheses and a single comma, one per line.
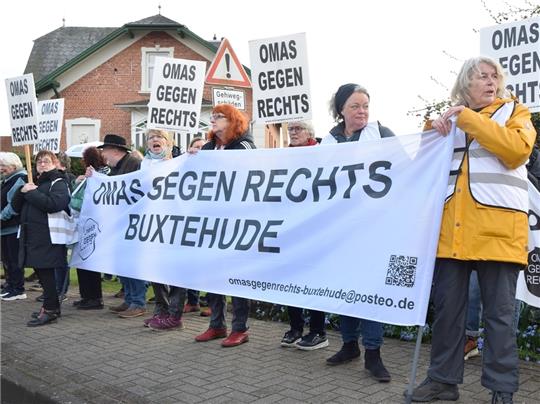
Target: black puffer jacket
(35,247)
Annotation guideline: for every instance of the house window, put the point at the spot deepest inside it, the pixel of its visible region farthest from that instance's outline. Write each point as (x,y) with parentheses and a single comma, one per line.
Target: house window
(149,56)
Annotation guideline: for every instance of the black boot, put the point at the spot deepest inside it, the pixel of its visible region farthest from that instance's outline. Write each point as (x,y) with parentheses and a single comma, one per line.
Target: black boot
(91,304)
(375,366)
(348,352)
(44,317)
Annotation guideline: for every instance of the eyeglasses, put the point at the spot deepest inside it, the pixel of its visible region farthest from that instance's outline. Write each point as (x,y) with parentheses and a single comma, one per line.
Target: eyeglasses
(215,117)
(295,129)
(44,161)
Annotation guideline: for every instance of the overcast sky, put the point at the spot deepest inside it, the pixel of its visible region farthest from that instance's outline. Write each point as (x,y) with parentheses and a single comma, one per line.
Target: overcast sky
(399,50)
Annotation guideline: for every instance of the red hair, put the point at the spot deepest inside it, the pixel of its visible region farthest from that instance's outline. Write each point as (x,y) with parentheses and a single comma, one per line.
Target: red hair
(238,124)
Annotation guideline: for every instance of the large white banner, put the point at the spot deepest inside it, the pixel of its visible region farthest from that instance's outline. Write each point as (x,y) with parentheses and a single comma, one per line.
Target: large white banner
(346,228)
(279,67)
(528,286)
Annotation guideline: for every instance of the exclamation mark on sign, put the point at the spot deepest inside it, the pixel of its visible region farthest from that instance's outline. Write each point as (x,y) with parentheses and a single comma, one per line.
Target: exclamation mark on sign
(228,63)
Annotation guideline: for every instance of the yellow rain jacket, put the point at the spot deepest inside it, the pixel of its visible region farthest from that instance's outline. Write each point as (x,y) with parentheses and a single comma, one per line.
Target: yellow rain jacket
(470,230)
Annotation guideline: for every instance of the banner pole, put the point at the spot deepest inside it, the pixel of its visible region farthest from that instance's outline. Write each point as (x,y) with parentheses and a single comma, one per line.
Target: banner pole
(28,159)
(412,378)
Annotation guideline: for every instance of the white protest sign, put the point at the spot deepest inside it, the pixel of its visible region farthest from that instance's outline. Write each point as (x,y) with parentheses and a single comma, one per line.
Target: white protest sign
(22,104)
(226,96)
(516,46)
(50,119)
(279,68)
(176,98)
(347,228)
(528,285)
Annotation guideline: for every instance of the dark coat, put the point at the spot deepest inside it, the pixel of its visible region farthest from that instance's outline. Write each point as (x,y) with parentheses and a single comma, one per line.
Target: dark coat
(35,247)
(127,164)
(244,141)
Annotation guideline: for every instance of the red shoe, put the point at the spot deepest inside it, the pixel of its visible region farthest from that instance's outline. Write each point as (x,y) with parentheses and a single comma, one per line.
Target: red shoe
(211,333)
(236,338)
(191,308)
(206,312)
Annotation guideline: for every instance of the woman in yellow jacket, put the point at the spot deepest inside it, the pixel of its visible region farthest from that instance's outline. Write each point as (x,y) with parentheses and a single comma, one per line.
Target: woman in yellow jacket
(484,228)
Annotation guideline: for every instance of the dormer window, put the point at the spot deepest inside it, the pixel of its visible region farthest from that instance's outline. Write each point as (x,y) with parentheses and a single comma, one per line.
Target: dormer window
(149,56)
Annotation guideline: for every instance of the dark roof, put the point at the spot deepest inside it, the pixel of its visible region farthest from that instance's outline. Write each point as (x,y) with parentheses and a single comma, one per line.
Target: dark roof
(60,46)
(157,19)
(60,50)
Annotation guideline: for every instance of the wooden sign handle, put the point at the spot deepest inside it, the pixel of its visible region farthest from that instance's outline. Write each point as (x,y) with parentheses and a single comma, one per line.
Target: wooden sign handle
(28,158)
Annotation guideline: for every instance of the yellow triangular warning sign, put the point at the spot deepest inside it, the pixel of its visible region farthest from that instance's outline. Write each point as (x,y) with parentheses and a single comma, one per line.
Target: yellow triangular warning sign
(226,69)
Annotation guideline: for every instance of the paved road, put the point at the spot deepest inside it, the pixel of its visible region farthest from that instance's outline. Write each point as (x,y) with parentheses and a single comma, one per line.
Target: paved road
(96,357)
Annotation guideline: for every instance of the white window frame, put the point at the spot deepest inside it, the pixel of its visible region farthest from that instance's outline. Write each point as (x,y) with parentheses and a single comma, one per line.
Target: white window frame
(144,63)
(81,121)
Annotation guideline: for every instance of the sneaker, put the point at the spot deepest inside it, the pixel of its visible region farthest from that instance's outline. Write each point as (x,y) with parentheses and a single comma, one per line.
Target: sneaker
(375,366)
(120,308)
(312,341)
(430,390)
(471,348)
(191,308)
(290,338)
(235,338)
(40,298)
(14,296)
(500,397)
(348,352)
(211,333)
(45,317)
(35,288)
(5,291)
(132,312)
(166,324)
(148,320)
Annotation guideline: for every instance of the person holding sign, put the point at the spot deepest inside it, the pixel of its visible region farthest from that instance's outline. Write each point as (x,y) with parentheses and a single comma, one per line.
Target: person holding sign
(13,177)
(350,109)
(36,249)
(229,132)
(169,299)
(302,134)
(484,228)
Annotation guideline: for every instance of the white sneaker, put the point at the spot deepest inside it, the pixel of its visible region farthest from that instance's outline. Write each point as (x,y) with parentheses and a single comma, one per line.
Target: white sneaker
(14,296)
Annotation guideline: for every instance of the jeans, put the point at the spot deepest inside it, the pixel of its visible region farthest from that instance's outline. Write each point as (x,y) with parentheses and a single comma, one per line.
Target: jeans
(135,292)
(372,331)
(10,258)
(218,305)
(474,307)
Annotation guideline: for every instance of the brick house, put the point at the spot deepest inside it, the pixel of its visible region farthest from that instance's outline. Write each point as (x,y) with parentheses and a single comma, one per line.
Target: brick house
(104,75)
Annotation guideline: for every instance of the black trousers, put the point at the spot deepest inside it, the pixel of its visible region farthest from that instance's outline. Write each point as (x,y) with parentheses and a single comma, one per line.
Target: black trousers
(89,284)
(48,282)
(316,321)
(10,258)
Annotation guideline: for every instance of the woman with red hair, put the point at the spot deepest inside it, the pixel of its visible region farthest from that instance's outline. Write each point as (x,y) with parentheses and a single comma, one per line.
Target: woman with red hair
(229,132)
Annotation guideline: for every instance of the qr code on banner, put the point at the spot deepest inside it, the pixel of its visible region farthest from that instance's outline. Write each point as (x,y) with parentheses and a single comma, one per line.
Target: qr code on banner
(401,271)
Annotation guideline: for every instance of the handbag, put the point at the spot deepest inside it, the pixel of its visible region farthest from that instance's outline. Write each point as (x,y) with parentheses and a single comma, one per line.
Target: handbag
(63,226)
